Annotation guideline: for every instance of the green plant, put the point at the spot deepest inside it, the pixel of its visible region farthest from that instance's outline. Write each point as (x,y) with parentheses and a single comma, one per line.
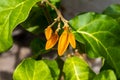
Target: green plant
(99,33)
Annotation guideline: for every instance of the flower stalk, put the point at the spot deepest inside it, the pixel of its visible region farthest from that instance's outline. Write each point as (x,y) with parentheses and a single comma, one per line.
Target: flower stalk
(57,11)
(66,38)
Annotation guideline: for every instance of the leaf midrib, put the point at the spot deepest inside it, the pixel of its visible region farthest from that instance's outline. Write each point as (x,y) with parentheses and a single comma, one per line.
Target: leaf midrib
(10,14)
(75,69)
(34,72)
(91,22)
(26,71)
(82,32)
(11,8)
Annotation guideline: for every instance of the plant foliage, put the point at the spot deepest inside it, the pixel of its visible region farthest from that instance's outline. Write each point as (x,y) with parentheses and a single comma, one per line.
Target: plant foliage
(99,33)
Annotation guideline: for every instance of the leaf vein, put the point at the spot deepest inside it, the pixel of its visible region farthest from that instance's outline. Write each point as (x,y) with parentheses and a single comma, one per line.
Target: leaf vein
(102,46)
(75,70)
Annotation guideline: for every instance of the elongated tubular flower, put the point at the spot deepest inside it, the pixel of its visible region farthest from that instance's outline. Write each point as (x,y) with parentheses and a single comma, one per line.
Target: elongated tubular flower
(48,32)
(71,39)
(52,41)
(63,42)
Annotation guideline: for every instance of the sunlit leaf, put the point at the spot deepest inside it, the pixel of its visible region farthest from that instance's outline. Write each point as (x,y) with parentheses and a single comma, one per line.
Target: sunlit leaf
(77,69)
(100,35)
(30,69)
(12,12)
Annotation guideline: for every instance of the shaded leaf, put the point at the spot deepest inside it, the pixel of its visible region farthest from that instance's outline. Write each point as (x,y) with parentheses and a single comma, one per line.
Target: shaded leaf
(11,14)
(77,69)
(106,75)
(37,45)
(36,21)
(113,10)
(53,66)
(100,35)
(30,69)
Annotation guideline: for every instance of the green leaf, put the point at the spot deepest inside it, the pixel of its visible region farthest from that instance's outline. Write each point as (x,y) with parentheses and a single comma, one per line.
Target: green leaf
(39,17)
(77,69)
(100,35)
(29,69)
(53,66)
(12,12)
(113,10)
(38,46)
(36,22)
(55,2)
(106,75)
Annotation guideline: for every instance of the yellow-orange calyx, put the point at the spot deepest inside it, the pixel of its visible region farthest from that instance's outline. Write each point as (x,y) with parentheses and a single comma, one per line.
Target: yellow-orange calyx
(71,39)
(64,40)
(48,32)
(52,41)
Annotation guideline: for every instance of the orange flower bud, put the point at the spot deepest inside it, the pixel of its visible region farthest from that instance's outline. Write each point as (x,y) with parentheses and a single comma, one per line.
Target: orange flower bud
(48,32)
(71,39)
(66,28)
(63,43)
(52,41)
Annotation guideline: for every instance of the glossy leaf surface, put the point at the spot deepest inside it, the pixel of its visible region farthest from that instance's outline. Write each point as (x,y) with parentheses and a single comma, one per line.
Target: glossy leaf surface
(101,36)
(12,12)
(30,69)
(76,68)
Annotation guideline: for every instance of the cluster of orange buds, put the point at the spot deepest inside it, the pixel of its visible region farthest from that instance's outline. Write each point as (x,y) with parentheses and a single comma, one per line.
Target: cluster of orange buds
(66,37)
